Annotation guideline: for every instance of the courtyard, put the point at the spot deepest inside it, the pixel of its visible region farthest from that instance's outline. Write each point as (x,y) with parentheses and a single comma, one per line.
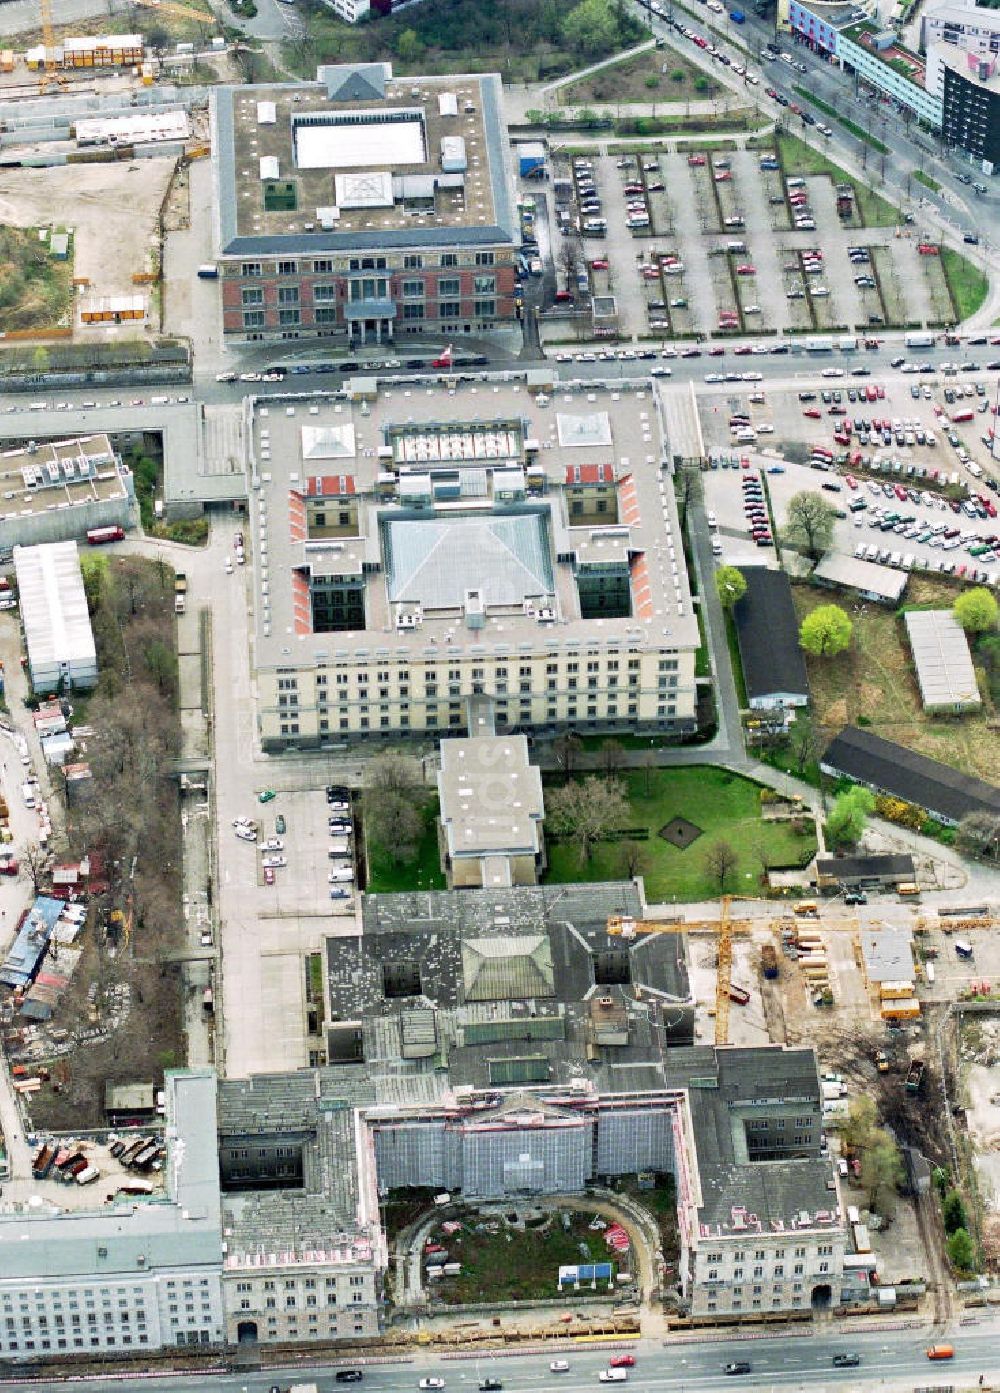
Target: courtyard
(683,813)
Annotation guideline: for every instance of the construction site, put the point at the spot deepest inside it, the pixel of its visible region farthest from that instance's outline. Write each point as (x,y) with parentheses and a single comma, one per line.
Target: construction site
(107,168)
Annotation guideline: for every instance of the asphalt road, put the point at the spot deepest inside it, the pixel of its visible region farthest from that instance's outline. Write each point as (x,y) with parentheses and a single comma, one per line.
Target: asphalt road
(891,1359)
(771,366)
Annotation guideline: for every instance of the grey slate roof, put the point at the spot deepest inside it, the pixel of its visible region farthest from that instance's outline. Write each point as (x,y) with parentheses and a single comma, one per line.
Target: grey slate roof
(861,755)
(768,633)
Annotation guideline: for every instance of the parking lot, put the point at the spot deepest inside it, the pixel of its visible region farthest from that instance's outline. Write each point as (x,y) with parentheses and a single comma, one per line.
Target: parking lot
(289,862)
(708,242)
(901,468)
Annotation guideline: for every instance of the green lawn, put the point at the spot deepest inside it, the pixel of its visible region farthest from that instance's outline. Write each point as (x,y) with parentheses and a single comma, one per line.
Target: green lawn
(927,181)
(968,285)
(725,806)
(388,877)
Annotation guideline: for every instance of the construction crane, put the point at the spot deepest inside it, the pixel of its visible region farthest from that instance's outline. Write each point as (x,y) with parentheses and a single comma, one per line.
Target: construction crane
(724,928)
(50,73)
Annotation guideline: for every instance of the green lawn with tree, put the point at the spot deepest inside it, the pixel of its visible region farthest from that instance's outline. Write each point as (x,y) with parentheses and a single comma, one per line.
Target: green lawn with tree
(723,805)
(523,40)
(969,285)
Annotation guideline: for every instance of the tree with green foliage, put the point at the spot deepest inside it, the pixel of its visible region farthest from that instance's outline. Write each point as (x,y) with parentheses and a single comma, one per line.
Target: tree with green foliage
(731,585)
(953,1212)
(961,1251)
(849,815)
(882,1172)
(825,631)
(809,523)
(409,46)
(976,610)
(591,29)
(859,1124)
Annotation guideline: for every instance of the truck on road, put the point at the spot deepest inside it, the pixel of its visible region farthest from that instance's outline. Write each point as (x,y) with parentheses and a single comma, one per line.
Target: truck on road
(919,340)
(180,592)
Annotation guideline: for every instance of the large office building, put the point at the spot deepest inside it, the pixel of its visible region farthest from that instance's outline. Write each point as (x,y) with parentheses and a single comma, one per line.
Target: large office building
(130,1276)
(962,24)
(970,84)
(499,1044)
(364,207)
(503,1044)
(423,549)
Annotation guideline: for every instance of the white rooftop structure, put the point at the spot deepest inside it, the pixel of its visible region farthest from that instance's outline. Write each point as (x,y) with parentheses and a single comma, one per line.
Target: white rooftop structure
(360,140)
(941,656)
(54,613)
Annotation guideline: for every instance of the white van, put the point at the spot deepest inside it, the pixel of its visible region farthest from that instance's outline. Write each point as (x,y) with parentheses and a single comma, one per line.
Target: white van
(613,1375)
(339,847)
(28,794)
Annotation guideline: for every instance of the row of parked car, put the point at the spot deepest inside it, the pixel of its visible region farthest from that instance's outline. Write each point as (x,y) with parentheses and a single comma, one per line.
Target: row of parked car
(340,847)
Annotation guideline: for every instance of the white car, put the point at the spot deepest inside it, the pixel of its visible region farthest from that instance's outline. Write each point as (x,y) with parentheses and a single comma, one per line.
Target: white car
(559,1366)
(427,1383)
(247,834)
(274,863)
(228,565)
(272,844)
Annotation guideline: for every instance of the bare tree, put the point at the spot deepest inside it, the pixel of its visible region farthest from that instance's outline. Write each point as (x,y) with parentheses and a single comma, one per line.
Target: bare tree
(33,866)
(720,862)
(586,811)
(802,743)
(687,486)
(648,763)
(565,748)
(612,756)
(393,805)
(633,859)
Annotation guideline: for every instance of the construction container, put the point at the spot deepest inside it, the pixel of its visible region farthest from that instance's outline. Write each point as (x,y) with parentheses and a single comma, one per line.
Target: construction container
(895,991)
(901,1010)
(6,60)
(113,309)
(769,961)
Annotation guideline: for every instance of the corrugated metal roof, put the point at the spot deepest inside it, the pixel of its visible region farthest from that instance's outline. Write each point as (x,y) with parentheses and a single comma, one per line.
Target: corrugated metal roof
(942,658)
(525,1069)
(54,605)
(492,1032)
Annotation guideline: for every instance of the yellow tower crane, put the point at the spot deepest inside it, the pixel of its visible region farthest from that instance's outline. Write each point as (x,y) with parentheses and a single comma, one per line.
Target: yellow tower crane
(50,69)
(725,927)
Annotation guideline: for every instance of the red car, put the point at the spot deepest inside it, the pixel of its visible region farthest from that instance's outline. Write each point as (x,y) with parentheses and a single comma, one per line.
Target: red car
(696,161)
(716,352)
(622,1361)
(812,413)
(879,392)
(600,263)
(268,875)
(746,270)
(851,482)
